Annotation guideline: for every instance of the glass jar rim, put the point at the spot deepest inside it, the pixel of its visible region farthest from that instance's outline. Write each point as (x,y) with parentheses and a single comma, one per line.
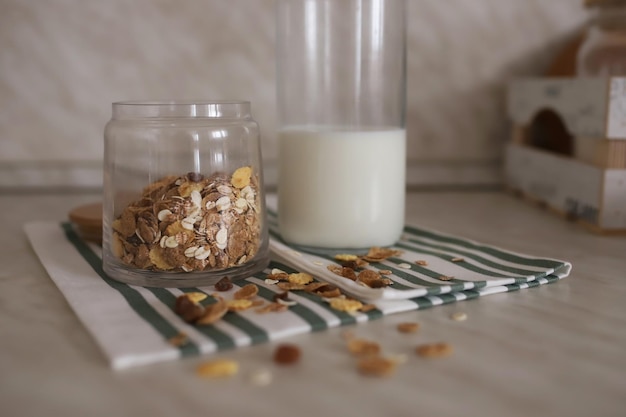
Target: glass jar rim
(131,109)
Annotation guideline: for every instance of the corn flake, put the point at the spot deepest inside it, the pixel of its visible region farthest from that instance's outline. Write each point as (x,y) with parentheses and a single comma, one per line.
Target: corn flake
(345,304)
(434,350)
(218,368)
(213,312)
(246,292)
(376,366)
(241,177)
(301,278)
(361,347)
(239,305)
(346,257)
(195,296)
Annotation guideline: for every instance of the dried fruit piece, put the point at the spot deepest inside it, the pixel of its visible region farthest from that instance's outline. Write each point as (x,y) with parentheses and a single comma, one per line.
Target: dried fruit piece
(223,284)
(195,176)
(218,368)
(361,347)
(345,304)
(434,350)
(301,278)
(195,296)
(187,309)
(444,278)
(213,312)
(287,354)
(408,327)
(246,292)
(376,366)
(241,177)
(457,259)
(421,262)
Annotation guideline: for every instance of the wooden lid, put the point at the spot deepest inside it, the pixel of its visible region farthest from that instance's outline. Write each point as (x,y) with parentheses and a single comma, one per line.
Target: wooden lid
(88,215)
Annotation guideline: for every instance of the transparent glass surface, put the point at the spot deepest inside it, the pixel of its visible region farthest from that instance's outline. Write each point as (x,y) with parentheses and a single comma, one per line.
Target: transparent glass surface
(341,94)
(183,196)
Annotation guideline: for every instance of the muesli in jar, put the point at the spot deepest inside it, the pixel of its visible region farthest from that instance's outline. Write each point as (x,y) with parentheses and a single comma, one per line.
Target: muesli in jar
(191,223)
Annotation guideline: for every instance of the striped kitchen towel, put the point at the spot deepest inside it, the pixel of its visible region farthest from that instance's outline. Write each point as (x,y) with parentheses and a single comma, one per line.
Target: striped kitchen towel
(429,263)
(135,325)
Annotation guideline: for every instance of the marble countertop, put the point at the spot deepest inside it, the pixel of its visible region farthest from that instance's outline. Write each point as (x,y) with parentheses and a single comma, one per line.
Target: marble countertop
(555,350)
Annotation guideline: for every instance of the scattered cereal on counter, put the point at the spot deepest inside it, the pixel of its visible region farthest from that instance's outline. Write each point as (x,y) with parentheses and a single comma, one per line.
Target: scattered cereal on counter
(459,316)
(376,366)
(361,347)
(261,377)
(287,354)
(434,350)
(408,327)
(218,368)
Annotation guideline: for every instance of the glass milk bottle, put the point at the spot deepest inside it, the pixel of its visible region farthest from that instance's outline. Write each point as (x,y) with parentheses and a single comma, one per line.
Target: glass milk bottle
(341,92)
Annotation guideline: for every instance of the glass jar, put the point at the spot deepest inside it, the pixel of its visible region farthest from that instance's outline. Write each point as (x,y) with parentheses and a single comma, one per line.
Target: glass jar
(341,93)
(183,197)
(603,52)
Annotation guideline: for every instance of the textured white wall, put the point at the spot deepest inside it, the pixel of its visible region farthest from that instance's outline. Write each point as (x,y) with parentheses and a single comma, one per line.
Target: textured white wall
(62,62)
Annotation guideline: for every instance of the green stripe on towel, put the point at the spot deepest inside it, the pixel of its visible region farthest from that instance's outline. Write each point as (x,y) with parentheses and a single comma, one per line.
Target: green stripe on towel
(132,296)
